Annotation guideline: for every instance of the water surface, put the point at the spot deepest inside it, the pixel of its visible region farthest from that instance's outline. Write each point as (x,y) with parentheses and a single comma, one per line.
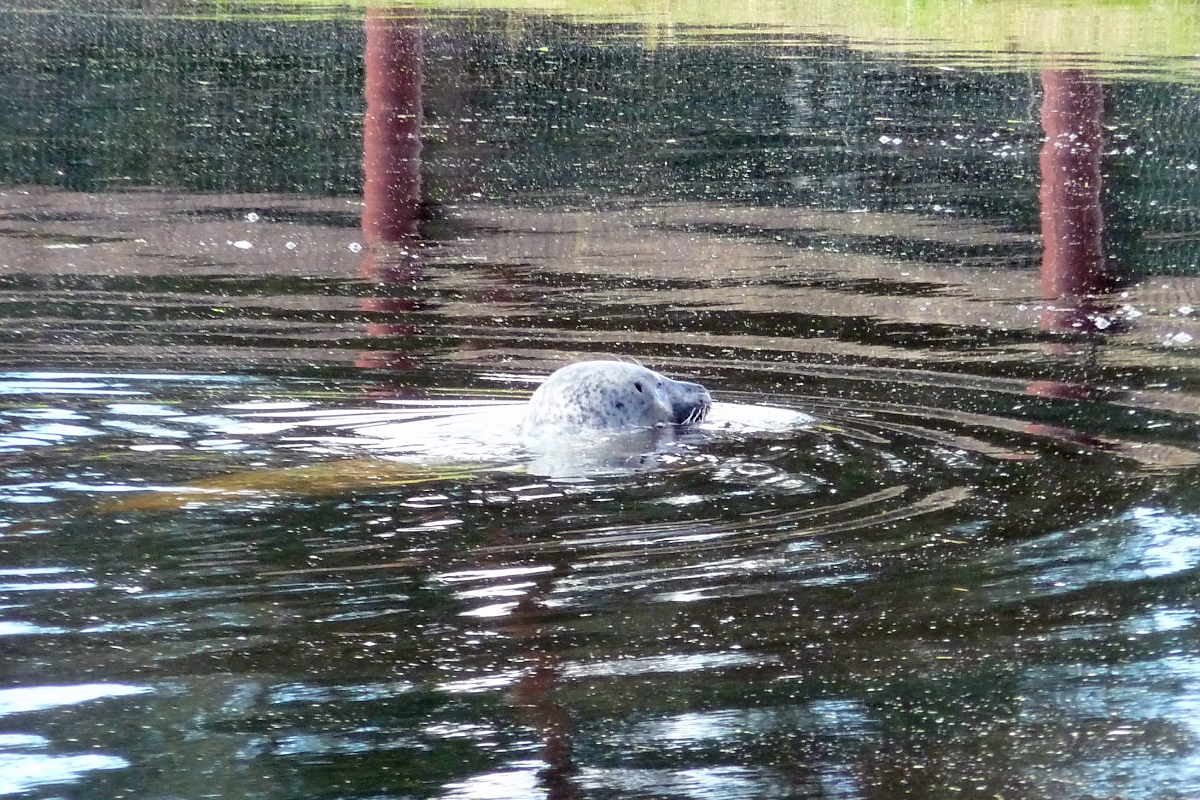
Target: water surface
(236,240)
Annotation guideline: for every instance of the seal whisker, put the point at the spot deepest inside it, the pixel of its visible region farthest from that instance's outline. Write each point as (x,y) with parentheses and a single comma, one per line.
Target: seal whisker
(697,414)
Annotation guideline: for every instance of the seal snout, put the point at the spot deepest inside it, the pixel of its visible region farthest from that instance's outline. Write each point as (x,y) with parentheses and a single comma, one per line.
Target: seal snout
(690,403)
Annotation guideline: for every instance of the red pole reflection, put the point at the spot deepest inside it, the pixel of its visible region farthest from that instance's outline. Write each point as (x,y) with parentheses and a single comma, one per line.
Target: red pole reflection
(391,167)
(1073,268)
(391,205)
(392,128)
(1072,220)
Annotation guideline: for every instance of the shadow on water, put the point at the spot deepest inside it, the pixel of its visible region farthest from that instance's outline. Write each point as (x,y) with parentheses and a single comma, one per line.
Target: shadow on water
(265,529)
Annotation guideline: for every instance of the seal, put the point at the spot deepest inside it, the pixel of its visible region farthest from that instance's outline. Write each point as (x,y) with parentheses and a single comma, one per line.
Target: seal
(610,396)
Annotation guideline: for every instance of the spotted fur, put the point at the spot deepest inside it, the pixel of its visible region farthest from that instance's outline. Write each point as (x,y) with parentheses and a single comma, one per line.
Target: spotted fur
(611,396)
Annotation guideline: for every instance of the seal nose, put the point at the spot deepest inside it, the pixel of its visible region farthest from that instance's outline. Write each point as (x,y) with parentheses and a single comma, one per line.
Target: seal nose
(694,403)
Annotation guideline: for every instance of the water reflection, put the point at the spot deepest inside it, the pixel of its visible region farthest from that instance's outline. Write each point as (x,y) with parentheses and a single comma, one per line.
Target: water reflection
(1103,729)
(521,781)
(1139,544)
(501,624)
(1073,264)
(23,772)
(37,698)
(392,176)
(974,573)
(1073,272)
(23,764)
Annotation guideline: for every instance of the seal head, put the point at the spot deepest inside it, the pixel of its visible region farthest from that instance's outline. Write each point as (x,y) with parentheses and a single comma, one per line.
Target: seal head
(611,396)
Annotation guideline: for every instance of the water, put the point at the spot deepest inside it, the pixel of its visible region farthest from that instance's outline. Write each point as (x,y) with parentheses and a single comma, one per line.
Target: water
(275,280)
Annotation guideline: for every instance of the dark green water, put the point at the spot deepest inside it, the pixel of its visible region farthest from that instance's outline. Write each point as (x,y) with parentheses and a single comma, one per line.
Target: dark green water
(975,577)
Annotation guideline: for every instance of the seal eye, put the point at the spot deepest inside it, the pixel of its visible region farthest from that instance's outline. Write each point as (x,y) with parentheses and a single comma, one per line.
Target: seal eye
(637,385)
